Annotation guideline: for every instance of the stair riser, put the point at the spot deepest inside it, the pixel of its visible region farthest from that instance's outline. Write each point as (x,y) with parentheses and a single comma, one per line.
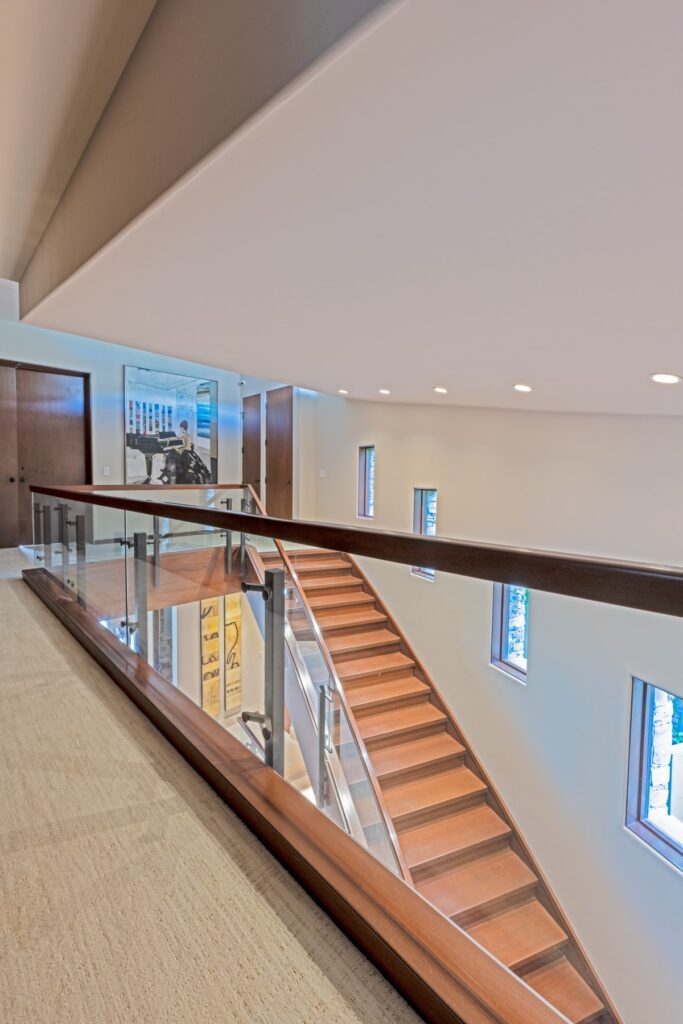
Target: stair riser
(361,711)
(410,819)
(352,625)
(348,600)
(400,775)
(409,733)
(308,573)
(331,589)
(366,651)
(348,629)
(314,555)
(426,869)
(497,905)
(370,677)
(535,960)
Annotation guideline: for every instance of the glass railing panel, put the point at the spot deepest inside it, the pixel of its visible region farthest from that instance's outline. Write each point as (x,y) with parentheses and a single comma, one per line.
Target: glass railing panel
(172,591)
(174,534)
(83,547)
(237,498)
(362,794)
(190,620)
(345,773)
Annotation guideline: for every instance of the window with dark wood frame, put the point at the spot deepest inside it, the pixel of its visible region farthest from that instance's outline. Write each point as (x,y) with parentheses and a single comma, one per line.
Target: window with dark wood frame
(366,481)
(654,803)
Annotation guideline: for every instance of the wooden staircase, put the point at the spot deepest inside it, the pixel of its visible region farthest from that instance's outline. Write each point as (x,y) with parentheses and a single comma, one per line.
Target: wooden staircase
(460,848)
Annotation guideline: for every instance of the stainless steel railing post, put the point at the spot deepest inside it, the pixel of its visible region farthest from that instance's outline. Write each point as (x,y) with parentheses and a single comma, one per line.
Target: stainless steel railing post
(275,665)
(63,510)
(324,741)
(140,580)
(272,720)
(47,535)
(37,525)
(245,507)
(156,551)
(80,559)
(228,541)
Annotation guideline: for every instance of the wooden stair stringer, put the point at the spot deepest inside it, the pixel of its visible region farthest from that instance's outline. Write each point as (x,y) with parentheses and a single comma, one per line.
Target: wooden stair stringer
(574,951)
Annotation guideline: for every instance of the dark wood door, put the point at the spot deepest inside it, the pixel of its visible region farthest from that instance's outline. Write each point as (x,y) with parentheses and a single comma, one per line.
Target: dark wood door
(52,437)
(9,466)
(279,451)
(251,442)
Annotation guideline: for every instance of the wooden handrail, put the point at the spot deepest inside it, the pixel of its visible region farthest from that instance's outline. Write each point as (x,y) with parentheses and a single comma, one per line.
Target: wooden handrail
(92,488)
(653,588)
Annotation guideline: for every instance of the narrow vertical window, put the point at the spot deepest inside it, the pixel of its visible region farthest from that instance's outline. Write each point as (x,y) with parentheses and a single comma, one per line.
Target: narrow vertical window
(366,481)
(424,522)
(510,633)
(655,778)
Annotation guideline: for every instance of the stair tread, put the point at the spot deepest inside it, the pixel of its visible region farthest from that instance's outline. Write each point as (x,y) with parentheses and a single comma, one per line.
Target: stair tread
(519,935)
(361,616)
(356,668)
(564,988)
(386,690)
(400,757)
(396,720)
(452,834)
(432,791)
(360,640)
(305,552)
(350,600)
(308,565)
(478,882)
(316,583)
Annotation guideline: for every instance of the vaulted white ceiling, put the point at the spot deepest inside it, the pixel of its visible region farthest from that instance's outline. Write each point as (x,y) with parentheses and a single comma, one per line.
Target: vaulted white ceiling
(59,61)
(465,194)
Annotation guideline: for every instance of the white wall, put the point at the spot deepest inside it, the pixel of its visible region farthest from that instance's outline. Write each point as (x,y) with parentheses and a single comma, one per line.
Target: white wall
(605,485)
(556,747)
(9,299)
(304,445)
(105,363)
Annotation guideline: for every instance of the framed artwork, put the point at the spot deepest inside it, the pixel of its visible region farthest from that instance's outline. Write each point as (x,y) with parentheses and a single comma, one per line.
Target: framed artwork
(221,664)
(233,653)
(210,655)
(171,428)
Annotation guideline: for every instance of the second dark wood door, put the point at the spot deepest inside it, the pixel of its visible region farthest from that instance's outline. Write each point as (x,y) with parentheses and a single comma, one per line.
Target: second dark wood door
(251,442)
(279,451)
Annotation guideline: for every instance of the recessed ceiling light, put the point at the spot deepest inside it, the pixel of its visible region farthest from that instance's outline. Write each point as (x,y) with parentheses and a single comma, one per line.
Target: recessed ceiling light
(384,391)
(665,378)
(523,387)
(441,391)
(343,391)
